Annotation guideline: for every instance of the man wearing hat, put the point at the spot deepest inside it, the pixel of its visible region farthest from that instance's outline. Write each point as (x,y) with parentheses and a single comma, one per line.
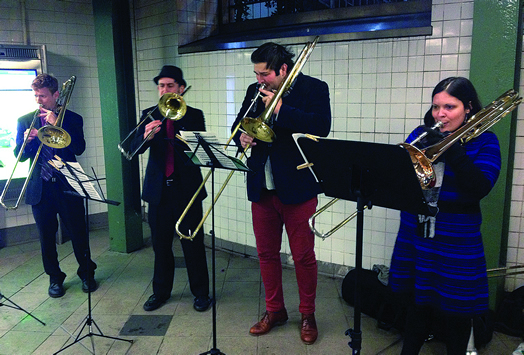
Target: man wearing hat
(169,185)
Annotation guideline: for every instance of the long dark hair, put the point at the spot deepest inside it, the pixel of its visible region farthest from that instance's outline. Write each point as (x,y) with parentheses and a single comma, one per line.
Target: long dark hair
(462,89)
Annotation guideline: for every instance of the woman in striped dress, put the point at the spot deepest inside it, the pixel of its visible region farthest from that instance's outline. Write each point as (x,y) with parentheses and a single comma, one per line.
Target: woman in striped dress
(438,264)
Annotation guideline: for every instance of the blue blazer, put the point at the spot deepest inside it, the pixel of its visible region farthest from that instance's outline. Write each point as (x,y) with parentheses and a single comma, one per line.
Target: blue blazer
(189,176)
(306,109)
(73,124)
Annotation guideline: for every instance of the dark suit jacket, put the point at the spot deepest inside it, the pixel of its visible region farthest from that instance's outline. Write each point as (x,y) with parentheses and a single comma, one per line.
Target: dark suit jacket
(188,176)
(305,109)
(73,124)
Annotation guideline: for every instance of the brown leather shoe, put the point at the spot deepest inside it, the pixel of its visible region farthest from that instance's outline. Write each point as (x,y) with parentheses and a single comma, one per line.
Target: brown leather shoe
(268,321)
(309,332)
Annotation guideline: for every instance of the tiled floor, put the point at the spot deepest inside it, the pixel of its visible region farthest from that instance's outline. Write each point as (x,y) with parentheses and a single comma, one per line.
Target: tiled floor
(125,285)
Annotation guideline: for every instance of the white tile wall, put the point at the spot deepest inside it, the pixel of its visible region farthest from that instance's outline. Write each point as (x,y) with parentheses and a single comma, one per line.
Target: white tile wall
(379,91)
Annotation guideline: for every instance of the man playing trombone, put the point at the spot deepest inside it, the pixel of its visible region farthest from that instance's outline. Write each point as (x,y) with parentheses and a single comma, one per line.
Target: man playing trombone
(168,187)
(281,194)
(45,191)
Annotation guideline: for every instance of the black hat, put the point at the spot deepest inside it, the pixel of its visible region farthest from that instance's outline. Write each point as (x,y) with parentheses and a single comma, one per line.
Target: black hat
(170,71)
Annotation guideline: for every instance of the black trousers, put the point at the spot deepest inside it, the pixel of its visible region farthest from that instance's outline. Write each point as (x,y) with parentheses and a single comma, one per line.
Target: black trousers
(71,209)
(162,220)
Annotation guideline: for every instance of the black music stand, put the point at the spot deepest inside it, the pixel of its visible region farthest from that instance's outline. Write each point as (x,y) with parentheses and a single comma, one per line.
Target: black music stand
(15,306)
(211,156)
(82,187)
(370,174)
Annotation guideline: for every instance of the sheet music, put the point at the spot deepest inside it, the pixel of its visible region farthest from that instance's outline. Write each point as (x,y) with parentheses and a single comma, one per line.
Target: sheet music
(226,161)
(76,175)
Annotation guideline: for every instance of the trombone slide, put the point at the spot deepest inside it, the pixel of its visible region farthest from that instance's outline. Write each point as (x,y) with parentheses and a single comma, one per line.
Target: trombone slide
(311,220)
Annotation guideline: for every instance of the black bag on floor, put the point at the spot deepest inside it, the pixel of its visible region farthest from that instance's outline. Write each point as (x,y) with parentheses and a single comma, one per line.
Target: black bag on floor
(377,300)
(510,315)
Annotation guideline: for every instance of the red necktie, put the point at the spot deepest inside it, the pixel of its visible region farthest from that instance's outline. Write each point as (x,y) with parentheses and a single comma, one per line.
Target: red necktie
(170,151)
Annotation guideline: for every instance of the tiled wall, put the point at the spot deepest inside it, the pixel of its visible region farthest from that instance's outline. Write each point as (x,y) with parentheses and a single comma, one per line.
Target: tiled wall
(515,255)
(379,91)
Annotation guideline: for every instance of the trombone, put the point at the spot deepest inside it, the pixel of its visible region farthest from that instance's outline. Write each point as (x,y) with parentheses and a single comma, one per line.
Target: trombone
(422,160)
(171,105)
(258,128)
(506,271)
(53,136)
(479,123)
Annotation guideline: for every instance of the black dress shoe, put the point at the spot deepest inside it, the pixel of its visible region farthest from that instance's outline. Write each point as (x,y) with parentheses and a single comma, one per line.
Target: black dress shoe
(202,303)
(154,302)
(56,290)
(89,285)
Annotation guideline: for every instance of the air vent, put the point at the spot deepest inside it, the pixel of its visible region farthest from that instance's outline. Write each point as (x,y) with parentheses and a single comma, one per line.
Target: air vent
(19,52)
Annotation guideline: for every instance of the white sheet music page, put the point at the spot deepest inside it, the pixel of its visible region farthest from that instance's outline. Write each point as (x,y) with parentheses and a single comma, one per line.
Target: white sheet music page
(75,176)
(191,140)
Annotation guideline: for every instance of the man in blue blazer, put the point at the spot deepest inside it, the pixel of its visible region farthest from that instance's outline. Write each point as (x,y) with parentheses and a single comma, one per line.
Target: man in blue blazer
(169,185)
(45,189)
(280,194)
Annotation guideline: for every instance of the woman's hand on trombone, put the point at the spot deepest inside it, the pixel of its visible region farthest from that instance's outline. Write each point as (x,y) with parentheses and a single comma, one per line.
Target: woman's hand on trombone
(151,129)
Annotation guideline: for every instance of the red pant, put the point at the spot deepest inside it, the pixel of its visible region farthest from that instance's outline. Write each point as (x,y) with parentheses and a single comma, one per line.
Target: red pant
(269,216)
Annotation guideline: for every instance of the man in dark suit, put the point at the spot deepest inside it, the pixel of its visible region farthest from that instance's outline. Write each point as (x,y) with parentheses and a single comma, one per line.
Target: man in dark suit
(45,189)
(169,185)
(281,194)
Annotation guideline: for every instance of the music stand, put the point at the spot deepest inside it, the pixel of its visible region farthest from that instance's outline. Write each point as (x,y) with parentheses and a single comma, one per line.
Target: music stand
(370,174)
(15,306)
(82,187)
(210,156)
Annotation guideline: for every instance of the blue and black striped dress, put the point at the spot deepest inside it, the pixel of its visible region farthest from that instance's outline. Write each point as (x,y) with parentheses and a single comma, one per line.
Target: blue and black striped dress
(448,272)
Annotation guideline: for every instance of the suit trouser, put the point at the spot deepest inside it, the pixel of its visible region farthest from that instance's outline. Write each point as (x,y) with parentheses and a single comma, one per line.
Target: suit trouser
(269,217)
(71,209)
(162,219)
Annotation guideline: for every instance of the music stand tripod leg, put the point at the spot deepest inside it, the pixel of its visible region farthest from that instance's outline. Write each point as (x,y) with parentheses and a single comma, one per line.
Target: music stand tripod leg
(15,306)
(214,350)
(89,321)
(356,332)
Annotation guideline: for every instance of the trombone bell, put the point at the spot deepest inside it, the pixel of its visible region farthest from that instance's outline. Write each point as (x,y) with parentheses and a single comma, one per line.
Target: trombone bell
(258,129)
(172,106)
(54,137)
(422,165)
